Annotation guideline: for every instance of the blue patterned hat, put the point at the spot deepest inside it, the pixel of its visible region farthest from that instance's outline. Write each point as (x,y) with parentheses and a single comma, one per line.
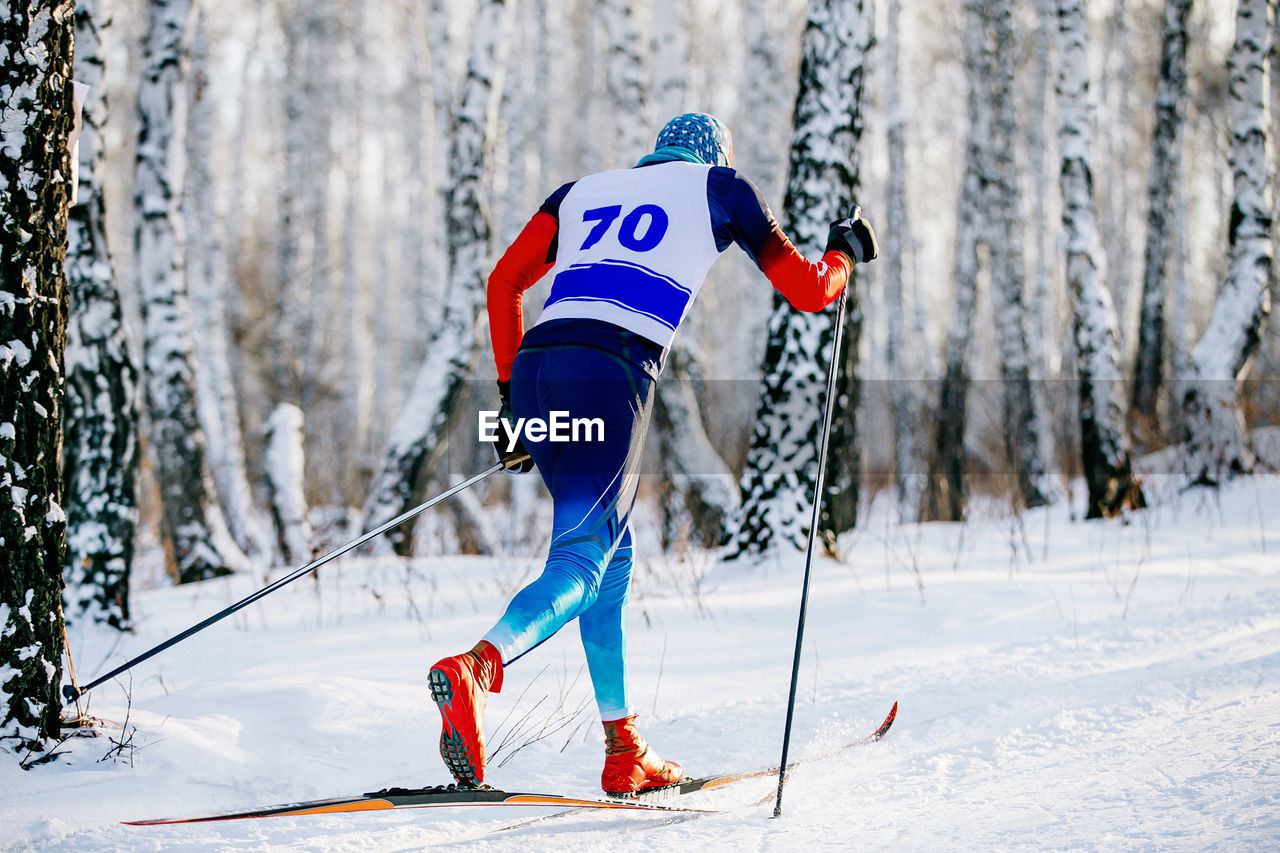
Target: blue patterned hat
(705,136)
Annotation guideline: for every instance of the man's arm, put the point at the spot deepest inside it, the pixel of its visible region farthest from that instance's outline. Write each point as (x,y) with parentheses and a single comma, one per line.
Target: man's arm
(526,260)
(739,214)
(519,269)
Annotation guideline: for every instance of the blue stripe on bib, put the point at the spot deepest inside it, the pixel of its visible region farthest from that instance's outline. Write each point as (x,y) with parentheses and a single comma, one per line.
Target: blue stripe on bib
(629,286)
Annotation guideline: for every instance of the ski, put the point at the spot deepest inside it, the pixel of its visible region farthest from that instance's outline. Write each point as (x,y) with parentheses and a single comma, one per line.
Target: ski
(419,798)
(443,796)
(689,786)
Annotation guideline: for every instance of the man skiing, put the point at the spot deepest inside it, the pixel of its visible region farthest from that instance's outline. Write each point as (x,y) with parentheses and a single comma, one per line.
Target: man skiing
(627,251)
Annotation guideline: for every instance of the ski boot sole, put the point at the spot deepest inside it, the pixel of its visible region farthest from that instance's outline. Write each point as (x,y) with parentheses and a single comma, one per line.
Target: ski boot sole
(453,745)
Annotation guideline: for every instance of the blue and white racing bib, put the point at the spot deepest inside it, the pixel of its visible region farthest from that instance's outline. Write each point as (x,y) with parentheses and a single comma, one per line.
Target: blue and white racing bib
(634,248)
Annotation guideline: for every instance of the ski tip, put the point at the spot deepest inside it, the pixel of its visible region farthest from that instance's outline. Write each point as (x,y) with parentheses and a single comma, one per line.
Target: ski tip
(888,722)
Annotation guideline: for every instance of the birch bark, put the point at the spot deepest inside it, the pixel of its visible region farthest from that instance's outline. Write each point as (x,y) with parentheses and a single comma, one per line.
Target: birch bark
(1216,445)
(100,434)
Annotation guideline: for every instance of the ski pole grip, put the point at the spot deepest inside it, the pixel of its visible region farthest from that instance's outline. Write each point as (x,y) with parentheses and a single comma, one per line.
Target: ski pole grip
(515,461)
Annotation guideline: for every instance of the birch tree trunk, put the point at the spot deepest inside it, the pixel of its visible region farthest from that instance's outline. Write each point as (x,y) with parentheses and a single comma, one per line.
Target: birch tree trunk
(1166,158)
(283,464)
(100,433)
(945,491)
(1216,446)
(207,280)
(782,465)
(1043,242)
(1038,155)
(624,74)
(1021,420)
(419,178)
(1179,342)
(1104,443)
(36,105)
(516,119)
(765,107)
(357,377)
(319,368)
(194,527)
(1115,198)
(455,346)
(896,249)
(286,354)
(669,59)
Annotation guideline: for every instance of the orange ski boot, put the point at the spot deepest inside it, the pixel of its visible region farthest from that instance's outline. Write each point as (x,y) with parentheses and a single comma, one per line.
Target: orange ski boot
(630,764)
(460,686)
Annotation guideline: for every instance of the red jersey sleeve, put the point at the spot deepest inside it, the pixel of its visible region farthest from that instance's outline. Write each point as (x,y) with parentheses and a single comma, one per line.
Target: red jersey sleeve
(526,260)
(808,286)
(740,215)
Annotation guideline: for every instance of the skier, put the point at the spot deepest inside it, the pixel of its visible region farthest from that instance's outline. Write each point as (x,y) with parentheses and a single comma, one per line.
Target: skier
(627,251)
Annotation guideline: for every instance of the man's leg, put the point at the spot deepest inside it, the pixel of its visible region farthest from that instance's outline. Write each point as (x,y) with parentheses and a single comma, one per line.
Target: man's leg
(630,764)
(593,489)
(592,483)
(604,634)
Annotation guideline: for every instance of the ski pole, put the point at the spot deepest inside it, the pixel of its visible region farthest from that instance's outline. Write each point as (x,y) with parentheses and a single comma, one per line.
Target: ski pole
(813,532)
(71,693)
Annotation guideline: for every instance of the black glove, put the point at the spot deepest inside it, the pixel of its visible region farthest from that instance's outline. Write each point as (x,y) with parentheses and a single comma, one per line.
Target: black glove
(517,460)
(853,237)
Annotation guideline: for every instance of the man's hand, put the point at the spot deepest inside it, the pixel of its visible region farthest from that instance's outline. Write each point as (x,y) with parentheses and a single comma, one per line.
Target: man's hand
(854,237)
(508,458)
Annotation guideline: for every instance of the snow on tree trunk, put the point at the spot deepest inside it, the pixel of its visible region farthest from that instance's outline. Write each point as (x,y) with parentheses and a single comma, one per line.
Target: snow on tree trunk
(1038,155)
(207,282)
(35,120)
(1104,443)
(194,527)
(1042,233)
(781,469)
(945,491)
(1216,447)
(1005,242)
(1115,197)
(453,350)
(1166,158)
(896,248)
(283,465)
(100,432)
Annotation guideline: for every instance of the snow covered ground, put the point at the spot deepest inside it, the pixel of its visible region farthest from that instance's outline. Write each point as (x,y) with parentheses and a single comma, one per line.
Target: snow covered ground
(1109,685)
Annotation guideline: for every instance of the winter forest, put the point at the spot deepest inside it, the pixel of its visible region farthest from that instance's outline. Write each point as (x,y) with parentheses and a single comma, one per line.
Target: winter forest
(243,317)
